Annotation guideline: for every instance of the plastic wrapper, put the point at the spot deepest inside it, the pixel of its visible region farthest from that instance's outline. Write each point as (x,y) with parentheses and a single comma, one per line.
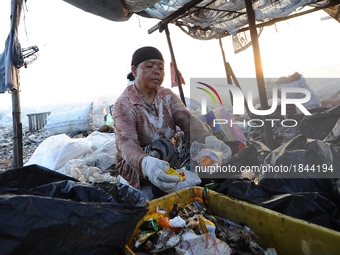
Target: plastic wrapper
(202,244)
(181,174)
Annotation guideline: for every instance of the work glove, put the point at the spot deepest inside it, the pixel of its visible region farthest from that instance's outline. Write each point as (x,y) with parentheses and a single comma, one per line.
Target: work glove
(155,169)
(217,145)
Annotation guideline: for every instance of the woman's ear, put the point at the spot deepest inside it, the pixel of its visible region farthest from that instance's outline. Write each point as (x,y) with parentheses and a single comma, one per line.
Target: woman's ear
(134,70)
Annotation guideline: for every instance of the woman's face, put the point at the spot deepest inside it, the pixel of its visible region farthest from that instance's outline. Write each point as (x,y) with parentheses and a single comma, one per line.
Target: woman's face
(149,74)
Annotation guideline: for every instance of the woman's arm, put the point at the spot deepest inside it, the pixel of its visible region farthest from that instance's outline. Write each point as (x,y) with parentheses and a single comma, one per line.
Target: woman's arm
(192,126)
(126,134)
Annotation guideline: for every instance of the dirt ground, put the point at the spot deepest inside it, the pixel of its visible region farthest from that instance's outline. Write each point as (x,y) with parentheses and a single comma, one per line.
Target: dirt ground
(7,163)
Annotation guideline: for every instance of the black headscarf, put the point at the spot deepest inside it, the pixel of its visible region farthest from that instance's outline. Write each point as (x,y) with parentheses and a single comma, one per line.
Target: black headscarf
(143,54)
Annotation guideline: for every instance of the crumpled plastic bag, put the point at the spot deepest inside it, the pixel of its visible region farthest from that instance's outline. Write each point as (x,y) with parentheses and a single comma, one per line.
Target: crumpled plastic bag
(192,244)
(74,157)
(78,169)
(55,151)
(297,80)
(103,156)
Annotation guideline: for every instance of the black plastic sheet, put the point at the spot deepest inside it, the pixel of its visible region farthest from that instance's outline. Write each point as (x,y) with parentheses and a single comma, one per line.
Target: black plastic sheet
(44,212)
(305,158)
(323,124)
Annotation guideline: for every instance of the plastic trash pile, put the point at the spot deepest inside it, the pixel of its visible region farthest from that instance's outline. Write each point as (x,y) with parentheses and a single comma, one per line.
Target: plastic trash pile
(194,230)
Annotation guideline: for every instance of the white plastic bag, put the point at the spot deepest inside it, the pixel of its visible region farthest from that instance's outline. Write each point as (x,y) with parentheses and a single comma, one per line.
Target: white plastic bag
(192,244)
(55,151)
(97,139)
(78,169)
(71,121)
(104,150)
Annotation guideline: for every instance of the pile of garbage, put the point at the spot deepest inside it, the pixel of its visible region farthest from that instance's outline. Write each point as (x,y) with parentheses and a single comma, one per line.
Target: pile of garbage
(88,159)
(193,229)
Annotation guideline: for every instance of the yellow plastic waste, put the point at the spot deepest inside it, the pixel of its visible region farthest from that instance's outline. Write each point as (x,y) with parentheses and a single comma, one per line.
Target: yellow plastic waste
(180,175)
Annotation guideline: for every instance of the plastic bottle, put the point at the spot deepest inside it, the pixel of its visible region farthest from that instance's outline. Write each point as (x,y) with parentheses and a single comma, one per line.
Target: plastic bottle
(109,120)
(199,151)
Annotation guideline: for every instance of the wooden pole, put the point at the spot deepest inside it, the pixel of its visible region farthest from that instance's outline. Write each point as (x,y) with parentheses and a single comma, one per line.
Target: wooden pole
(16,6)
(173,59)
(237,84)
(231,76)
(268,132)
(225,62)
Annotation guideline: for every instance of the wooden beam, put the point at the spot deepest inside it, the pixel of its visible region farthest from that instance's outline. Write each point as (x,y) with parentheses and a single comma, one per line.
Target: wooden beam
(268,132)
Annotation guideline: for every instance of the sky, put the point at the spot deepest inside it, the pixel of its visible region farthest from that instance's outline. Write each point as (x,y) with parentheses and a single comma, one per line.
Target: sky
(83,57)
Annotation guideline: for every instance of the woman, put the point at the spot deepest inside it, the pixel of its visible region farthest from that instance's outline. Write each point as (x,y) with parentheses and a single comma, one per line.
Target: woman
(146,121)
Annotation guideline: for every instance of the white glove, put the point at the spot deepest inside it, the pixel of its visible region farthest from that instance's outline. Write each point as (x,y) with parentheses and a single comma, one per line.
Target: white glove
(213,143)
(155,169)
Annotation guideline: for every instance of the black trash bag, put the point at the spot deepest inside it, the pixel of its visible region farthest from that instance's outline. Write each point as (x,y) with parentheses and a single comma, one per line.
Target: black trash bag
(243,189)
(253,154)
(242,184)
(322,124)
(305,158)
(319,125)
(45,212)
(316,200)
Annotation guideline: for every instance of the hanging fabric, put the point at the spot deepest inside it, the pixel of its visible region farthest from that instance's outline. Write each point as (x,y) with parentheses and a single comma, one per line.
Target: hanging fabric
(173,76)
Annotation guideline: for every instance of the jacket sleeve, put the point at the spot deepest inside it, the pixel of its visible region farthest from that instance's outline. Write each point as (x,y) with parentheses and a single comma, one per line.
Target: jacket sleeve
(192,126)
(126,135)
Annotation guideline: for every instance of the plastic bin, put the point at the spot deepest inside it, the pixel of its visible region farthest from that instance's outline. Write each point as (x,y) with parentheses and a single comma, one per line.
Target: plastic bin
(286,234)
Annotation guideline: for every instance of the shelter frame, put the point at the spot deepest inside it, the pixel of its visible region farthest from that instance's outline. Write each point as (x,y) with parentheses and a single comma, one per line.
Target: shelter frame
(252,27)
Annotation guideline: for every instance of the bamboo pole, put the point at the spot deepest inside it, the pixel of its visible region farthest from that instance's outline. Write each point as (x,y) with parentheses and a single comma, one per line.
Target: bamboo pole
(173,59)
(16,6)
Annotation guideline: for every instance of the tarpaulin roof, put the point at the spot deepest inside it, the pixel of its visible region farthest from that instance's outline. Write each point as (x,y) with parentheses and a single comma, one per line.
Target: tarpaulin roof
(202,19)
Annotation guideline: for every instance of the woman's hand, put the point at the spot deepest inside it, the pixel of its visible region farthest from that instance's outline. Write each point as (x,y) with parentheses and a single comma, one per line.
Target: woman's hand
(155,169)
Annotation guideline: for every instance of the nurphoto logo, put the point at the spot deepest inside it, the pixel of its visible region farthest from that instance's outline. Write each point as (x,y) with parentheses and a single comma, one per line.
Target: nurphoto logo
(215,90)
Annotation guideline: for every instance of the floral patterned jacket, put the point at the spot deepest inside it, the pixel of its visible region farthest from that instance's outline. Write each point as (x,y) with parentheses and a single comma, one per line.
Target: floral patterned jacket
(136,126)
